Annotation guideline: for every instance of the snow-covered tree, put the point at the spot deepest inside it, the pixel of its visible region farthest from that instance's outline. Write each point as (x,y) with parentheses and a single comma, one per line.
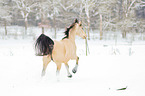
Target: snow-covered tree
(5,13)
(68,11)
(54,6)
(48,9)
(140,13)
(88,6)
(25,8)
(128,20)
(105,14)
(42,11)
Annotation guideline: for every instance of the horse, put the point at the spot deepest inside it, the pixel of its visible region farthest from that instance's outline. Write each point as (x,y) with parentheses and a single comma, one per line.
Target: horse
(60,51)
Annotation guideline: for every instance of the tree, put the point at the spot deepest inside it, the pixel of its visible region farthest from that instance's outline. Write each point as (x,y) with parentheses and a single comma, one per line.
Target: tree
(25,8)
(128,18)
(54,12)
(105,14)
(42,10)
(48,9)
(68,11)
(88,6)
(140,15)
(5,10)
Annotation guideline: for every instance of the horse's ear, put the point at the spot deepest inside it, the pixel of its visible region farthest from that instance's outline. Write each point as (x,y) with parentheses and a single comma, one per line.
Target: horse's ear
(76,21)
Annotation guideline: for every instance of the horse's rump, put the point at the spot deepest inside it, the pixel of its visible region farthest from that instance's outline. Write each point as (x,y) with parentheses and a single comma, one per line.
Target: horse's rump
(44,45)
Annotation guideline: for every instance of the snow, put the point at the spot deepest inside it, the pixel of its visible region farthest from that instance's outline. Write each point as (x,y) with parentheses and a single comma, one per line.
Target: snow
(100,73)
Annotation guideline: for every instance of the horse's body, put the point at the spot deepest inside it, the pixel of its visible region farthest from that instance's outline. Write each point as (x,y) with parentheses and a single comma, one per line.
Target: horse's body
(60,51)
(63,51)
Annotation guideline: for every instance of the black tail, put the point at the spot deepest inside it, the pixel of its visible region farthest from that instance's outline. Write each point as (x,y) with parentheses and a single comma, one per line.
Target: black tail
(44,45)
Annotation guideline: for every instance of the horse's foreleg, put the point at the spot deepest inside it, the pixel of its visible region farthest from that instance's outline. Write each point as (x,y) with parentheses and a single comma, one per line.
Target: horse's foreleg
(46,61)
(67,68)
(76,66)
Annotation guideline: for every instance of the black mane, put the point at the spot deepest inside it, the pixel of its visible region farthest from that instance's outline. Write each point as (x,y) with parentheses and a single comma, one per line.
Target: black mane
(68,29)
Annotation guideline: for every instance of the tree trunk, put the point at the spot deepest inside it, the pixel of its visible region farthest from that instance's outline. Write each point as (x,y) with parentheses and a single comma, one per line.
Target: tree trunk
(124,34)
(88,19)
(101,33)
(26,25)
(86,45)
(120,13)
(5,23)
(54,25)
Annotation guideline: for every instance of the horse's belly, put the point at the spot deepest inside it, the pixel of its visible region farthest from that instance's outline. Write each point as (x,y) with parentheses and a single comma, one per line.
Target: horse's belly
(58,53)
(73,55)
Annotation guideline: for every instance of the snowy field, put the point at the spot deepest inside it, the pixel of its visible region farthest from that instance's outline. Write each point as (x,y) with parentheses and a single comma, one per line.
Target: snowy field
(106,69)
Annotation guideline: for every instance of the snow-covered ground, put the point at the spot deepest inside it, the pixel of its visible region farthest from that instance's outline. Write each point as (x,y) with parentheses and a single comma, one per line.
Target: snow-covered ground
(106,69)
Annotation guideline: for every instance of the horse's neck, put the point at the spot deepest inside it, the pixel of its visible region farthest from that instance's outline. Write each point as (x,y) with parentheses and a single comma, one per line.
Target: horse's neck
(72,35)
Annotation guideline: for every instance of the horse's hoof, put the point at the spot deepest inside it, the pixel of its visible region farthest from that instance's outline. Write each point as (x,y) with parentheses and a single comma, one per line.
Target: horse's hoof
(69,76)
(74,70)
(43,73)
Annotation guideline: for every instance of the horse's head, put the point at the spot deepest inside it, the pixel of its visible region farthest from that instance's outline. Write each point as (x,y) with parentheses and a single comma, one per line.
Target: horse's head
(79,29)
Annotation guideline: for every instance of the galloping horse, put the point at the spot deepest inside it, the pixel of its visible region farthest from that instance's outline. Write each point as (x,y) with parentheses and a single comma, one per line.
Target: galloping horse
(60,51)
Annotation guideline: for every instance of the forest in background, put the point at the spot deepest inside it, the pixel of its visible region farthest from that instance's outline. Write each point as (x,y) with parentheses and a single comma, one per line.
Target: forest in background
(125,16)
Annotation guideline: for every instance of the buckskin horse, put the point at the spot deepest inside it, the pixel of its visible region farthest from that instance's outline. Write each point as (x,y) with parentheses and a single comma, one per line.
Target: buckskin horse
(60,51)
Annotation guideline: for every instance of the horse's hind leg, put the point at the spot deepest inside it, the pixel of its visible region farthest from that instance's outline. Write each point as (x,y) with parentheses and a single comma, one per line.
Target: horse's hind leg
(76,66)
(46,61)
(58,69)
(67,68)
